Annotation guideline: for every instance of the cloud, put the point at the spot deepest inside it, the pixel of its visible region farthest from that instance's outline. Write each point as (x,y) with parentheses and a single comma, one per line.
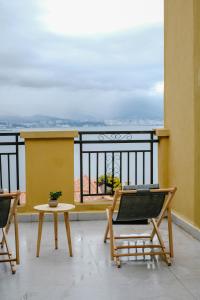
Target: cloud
(60,72)
(158,88)
(61,16)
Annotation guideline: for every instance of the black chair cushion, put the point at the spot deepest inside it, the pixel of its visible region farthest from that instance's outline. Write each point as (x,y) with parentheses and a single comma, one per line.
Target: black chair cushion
(141,187)
(139,206)
(4,210)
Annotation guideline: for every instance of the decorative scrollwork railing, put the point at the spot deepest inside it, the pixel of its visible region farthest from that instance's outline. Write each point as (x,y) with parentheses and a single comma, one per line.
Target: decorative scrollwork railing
(125,155)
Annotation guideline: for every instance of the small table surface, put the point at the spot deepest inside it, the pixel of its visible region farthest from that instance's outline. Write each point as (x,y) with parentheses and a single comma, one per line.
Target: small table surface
(62,207)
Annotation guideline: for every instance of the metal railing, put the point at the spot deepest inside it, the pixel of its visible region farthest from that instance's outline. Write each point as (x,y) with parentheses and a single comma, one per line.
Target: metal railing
(116,155)
(10,160)
(128,156)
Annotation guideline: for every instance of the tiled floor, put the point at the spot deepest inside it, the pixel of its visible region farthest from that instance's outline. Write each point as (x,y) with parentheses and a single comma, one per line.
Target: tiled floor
(91,275)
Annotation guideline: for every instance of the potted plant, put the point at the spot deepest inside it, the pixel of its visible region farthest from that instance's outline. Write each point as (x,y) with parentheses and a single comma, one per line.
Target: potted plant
(53,200)
(110,182)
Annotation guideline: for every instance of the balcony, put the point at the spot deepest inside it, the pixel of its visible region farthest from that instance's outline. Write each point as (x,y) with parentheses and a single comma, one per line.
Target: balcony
(134,157)
(173,157)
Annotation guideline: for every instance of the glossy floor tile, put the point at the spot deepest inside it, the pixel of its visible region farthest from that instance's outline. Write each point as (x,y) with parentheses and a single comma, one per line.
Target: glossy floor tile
(89,274)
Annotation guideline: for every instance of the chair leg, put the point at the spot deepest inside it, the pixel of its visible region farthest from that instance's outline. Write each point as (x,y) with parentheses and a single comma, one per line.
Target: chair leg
(111,234)
(7,228)
(164,210)
(167,259)
(8,253)
(118,262)
(106,233)
(152,235)
(2,242)
(16,239)
(170,233)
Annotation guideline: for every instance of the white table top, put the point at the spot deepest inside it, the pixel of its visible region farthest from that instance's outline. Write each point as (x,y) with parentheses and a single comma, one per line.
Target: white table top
(62,207)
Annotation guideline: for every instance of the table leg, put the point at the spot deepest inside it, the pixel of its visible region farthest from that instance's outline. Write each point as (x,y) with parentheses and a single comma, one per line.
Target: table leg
(41,217)
(55,215)
(67,225)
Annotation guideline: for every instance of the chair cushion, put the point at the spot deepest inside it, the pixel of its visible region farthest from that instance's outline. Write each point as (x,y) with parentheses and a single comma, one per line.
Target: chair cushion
(140,205)
(4,210)
(141,187)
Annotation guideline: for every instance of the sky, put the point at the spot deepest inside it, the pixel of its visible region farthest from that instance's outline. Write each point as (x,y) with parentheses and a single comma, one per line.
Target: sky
(91,59)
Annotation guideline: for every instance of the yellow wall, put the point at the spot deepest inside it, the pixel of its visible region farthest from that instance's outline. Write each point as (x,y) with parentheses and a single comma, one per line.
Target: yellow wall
(49,166)
(163,157)
(197,107)
(182,107)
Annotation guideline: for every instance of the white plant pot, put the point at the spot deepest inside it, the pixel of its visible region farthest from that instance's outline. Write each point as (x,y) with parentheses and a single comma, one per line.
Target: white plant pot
(108,189)
(53,203)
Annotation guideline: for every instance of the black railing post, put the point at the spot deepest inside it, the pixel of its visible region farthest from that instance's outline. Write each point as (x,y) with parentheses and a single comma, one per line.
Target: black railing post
(136,172)
(89,172)
(128,165)
(113,171)
(8,160)
(151,158)
(97,172)
(143,167)
(120,167)
(105,172)
(17,161)
(1,176)
(81,168)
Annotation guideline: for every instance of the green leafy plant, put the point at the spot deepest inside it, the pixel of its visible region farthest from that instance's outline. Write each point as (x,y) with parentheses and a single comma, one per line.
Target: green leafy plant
(109,181)
(55,195)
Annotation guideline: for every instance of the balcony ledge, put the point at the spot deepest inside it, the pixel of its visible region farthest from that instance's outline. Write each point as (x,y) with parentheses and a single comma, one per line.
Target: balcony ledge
(48,134)
(162,132)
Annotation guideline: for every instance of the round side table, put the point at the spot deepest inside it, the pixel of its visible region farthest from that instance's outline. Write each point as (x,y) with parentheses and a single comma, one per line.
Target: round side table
(61,208)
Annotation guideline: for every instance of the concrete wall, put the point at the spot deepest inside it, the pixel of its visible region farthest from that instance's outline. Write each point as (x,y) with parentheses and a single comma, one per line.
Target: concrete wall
(182,107)
(49,166)
(197,107)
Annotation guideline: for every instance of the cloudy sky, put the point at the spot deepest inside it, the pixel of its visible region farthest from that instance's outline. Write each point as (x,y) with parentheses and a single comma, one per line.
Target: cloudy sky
(99,59)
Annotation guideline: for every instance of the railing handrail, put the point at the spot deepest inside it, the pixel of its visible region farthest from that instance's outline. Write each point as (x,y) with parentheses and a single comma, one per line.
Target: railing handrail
(93,132)
(97,132)
(115,139)
(9,133)
(114,131)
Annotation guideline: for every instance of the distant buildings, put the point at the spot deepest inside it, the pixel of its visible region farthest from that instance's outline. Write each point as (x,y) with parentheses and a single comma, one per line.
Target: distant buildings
(16,122)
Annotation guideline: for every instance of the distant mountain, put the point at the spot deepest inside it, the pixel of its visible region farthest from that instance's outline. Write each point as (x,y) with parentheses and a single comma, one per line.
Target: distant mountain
(41,121)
